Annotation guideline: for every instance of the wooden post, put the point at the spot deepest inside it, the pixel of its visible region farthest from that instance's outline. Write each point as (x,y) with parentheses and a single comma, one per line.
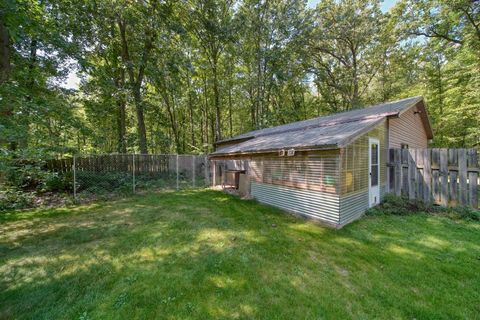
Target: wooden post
(435,175)
(427,176)
(206,167)
(462,172)
(405,170)
(398,172)
(178,185)
(133,172)
(472,178)
(224,167)
(412,171)
(453,175)
(444,177)
(74,179)
(193,171)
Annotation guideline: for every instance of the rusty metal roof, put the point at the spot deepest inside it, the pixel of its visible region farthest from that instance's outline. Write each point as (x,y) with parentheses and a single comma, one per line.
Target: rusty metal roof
(332,131)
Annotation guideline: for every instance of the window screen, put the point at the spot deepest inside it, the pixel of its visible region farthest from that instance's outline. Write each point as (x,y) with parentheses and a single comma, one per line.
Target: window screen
(374,165)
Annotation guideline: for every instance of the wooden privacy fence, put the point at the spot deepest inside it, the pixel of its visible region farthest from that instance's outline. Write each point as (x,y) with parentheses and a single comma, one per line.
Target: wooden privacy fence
(144,163)
(448,177)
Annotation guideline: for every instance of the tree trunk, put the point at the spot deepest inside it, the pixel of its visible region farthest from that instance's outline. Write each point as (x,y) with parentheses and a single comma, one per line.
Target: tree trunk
(121,116)
(173,121)
(4,52)
(23,141)
(216,94)
(136,83)
(355,102)
(190,108)
(230,111)
(141,130)
(119,80)
(205,94)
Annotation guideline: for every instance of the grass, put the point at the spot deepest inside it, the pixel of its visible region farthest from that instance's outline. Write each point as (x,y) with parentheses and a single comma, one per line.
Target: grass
(205,254)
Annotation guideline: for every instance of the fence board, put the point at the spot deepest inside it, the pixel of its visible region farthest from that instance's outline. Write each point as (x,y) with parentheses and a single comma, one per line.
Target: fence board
(398,172)
(436,175)
(449,177)
(453,177)
(427,175)
(405,182)
(472,178)
(444,177)
(412,171)
(462,172)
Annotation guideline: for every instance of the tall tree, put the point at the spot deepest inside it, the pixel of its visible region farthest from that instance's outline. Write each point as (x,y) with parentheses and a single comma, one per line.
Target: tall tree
(345,46)
(211,22)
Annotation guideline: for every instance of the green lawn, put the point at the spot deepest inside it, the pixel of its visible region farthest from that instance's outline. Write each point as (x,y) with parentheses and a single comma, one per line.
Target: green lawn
(205,254)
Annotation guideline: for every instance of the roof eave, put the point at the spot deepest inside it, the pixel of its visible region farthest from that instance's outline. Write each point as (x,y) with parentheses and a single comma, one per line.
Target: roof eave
(351,138)
(274,150)
(426,120)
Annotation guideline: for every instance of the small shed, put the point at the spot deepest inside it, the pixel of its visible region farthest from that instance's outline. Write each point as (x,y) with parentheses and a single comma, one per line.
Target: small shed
(329,168)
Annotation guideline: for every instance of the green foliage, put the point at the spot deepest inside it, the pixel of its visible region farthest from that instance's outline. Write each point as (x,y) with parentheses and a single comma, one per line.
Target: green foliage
(207,255)
(174,76)
(102,182)
(14,199)
(466,213)
(59,182)
(346,48)
(393,205)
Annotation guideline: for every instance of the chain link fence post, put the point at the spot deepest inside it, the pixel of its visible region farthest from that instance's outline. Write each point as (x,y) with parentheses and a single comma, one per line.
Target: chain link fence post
(193,171)
(214,166)
(207,176)
(178,187)
(74,165)
(133,172)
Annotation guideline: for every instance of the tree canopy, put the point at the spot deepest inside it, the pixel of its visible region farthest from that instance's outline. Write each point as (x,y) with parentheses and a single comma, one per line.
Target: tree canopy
(176,76)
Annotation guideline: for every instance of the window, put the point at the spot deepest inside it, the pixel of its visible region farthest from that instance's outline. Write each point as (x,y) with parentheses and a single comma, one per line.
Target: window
(374,165)
(404,146)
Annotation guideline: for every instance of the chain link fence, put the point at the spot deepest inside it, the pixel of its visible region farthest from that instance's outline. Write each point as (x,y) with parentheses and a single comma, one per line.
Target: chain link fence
(130,173)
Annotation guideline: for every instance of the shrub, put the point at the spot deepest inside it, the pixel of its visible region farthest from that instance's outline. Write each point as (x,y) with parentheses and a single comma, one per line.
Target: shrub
(58,182)
(393,205)
(465,213)
(11,199)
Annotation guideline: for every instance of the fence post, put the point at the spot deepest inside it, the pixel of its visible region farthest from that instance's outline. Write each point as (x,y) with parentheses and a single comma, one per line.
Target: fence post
(133,171)
(207,176)
(398,172)
(74,179)
(462,172)
(177,174)
(444,177)
(214,180)
(453,172)
(412,171)
(427,175)
(193,171)
(472,167)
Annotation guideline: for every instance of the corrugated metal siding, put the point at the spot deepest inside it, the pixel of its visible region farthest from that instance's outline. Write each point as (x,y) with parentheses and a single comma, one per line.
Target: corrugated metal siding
(352,206)
(314,204)
(408,129)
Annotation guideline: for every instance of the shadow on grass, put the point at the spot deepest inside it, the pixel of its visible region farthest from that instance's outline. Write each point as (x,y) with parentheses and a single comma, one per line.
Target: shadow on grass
(205,254)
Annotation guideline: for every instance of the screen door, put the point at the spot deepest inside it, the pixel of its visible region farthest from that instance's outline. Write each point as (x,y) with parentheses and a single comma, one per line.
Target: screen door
(374,172)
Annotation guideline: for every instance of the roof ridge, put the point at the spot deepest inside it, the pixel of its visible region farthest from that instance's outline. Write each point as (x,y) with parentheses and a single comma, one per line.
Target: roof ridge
(329,119)
(320,125)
